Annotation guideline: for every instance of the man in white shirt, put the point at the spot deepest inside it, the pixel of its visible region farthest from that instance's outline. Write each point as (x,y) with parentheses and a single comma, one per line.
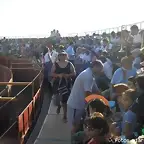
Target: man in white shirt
(106,46)
(86,57)
(135,34)
(83,87)
(54,56)
(113,37)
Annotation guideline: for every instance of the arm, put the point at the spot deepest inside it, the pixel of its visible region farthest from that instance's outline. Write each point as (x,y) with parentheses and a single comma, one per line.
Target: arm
(87,83)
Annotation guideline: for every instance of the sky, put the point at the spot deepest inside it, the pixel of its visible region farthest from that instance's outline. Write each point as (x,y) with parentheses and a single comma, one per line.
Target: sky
(36,18)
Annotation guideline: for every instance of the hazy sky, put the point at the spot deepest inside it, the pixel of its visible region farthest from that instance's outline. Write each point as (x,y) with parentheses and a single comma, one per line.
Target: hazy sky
(29,18)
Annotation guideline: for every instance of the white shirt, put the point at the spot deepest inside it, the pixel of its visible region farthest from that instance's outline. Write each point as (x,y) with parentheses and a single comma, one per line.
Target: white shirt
(97,49)
(47,57)
(113,40)
(84,82)
(54,56)
(137,38)
(86,58)
(81,55)
(109,47)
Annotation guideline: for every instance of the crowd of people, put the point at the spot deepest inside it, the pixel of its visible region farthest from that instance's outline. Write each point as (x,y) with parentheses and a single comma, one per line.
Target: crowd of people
(97,80)
(99,85)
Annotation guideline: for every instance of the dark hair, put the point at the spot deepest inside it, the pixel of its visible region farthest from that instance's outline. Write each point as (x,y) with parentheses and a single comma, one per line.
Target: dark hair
(118,33)
(112,32)
(97,104)
(98,122)
(134,27)
(104,33)
(96,63)
(105,40)
(103,59)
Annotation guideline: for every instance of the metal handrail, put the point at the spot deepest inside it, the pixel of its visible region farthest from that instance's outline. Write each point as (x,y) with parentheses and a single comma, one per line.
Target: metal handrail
(118,28)
(30,83)
(22,63)
(24,68)
(14,83)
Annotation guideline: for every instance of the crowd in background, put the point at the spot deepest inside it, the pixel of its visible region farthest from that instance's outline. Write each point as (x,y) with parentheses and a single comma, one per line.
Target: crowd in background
(97,79)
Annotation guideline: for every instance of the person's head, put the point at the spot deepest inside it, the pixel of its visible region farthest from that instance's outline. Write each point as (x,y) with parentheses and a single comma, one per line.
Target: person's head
(134,30)
(62,56)
(113,34)
(96,105)
(118,34)
(96,126)
(104,35)
(128,98)
(105,42)
(96,66)
(126,63)
(50,46)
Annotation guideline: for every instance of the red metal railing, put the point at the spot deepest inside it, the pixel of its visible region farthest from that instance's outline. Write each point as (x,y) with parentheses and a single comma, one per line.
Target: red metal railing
(18,130)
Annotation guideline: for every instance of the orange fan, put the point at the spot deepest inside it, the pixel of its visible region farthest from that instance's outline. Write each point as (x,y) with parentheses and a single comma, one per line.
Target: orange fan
(95,96)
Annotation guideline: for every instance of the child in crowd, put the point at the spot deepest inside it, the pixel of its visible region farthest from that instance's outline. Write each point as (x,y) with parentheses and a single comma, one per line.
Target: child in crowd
(96,131)
(95,105)
(128,124)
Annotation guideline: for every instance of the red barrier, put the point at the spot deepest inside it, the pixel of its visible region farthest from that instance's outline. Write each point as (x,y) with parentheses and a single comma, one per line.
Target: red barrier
(36,103)
(37,95)
(25,118)
(25,121)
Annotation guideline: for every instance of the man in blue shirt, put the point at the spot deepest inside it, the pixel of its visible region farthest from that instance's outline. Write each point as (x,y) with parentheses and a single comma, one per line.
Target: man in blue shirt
(70,51)
(126,71)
